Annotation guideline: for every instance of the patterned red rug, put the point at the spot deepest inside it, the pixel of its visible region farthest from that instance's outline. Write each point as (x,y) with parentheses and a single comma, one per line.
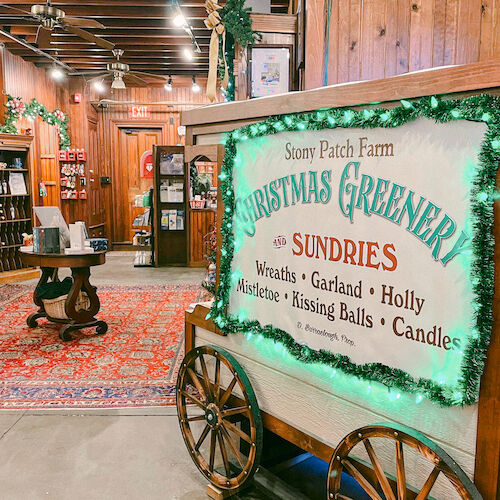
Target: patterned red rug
(134,364)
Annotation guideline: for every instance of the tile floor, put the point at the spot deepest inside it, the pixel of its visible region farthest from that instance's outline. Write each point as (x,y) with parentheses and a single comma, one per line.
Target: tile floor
(133,454)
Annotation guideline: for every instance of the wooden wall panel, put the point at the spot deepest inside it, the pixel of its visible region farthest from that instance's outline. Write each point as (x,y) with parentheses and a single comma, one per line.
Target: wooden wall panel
(165,116)
(200,224)
(372,39)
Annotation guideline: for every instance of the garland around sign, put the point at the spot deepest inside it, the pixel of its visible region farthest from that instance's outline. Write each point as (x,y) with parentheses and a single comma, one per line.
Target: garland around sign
(482,108)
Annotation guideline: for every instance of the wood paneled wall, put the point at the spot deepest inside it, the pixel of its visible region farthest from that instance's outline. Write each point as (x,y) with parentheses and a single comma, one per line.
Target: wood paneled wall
(92,128)
(23,79)
(164,116)
(372,39)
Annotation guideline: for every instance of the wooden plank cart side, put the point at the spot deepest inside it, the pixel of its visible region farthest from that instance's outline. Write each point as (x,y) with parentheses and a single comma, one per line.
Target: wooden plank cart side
(472,433)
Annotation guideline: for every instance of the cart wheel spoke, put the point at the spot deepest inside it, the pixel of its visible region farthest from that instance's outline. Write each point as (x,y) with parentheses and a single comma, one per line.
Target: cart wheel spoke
(223,452)
(193,399)
(204,434)
(429,483)
(217,381)
(219,406)
(213,442)
(235,411)
(228,440)
(379,471)
(195,419)
(206,378)
(363,482)
(197,383)
(231,427)
(400,471)
(227,393)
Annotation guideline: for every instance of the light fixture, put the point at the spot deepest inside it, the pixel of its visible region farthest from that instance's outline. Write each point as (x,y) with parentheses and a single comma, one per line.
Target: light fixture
(118,82)
(179,20)
(195,87)
(188,53)
(168,85)
(99,86)
(56,73)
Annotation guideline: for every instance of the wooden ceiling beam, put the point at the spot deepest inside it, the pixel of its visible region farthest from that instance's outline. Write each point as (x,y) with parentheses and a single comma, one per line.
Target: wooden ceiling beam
(68,41)
(115,23)
(107,10)
(34,58)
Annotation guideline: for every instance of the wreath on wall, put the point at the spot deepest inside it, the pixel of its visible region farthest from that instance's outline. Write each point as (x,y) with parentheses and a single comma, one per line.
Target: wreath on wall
(17,108)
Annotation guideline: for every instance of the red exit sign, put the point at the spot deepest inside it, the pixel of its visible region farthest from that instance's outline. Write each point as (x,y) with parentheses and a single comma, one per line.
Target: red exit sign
(138,112)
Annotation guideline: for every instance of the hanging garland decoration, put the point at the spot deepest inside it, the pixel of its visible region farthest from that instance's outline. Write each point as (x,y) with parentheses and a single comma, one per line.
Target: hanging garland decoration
(482,108)
(17,109)
(236,19)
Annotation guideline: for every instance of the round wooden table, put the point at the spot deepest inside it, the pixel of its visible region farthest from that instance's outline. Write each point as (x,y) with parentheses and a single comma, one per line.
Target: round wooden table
(80,265)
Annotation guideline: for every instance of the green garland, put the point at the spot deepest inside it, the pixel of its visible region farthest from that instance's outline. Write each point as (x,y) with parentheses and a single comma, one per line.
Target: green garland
(236,19)
(482,108)
(17,109)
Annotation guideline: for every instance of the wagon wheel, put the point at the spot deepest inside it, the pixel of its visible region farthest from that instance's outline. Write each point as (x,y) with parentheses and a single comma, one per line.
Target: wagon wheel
(373,479)
(213,382)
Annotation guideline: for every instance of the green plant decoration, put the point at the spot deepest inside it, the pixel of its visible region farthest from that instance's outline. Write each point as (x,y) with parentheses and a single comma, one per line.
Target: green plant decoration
(236,19)
(16,109)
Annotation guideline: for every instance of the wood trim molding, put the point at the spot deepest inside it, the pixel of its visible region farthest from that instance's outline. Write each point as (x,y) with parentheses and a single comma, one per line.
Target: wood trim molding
(444,80)
(274,23)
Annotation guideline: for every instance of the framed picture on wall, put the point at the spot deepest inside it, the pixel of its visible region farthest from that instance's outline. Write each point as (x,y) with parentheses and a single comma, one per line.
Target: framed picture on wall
(270,70)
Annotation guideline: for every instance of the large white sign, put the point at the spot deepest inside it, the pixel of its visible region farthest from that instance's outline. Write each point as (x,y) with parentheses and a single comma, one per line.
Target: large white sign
(358,241)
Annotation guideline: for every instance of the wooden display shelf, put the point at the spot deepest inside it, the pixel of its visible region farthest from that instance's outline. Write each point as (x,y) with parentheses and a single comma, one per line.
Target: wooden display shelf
(12,221)
(26,273)
(13,169)
(13,195)
(6,247)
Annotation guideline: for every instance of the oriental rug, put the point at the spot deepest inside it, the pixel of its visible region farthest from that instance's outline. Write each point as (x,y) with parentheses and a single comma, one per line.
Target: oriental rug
(134,364)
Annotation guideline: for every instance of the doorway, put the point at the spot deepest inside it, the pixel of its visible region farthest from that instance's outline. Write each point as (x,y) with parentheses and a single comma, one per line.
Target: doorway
(129,181)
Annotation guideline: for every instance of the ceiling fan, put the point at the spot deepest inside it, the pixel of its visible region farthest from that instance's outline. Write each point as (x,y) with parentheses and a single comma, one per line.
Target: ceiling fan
(51,18)
(120,72)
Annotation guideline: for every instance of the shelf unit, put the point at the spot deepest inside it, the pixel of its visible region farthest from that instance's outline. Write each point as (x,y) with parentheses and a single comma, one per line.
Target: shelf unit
(149,247)
(170,245)
(16,211)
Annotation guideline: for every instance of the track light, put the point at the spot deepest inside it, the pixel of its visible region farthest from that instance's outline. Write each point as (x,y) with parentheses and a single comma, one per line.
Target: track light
(195,87)
(179,21)
(56,74)
(99,86)
(168,85)
(188,54)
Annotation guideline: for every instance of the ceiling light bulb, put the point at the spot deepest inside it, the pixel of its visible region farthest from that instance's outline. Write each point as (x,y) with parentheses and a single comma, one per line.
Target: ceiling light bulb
(99,86)
(168,87)
(56,74)
(179,20)
(188,53)
(118,83)
(195,87)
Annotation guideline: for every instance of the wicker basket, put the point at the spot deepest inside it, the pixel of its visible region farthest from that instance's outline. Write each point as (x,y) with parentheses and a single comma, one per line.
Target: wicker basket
(55,307)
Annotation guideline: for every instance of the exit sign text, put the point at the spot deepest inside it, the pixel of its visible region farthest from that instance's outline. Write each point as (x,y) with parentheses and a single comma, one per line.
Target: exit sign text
(137,112)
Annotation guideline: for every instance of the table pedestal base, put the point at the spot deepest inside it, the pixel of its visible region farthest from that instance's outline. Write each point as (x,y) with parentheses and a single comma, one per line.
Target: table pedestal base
(77,319)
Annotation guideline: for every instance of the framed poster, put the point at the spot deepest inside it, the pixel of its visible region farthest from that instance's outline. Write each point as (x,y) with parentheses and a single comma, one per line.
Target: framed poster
(270,70)
(368,245)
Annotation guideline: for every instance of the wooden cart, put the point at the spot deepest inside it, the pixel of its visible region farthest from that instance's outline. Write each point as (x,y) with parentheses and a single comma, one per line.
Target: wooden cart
(234,381)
